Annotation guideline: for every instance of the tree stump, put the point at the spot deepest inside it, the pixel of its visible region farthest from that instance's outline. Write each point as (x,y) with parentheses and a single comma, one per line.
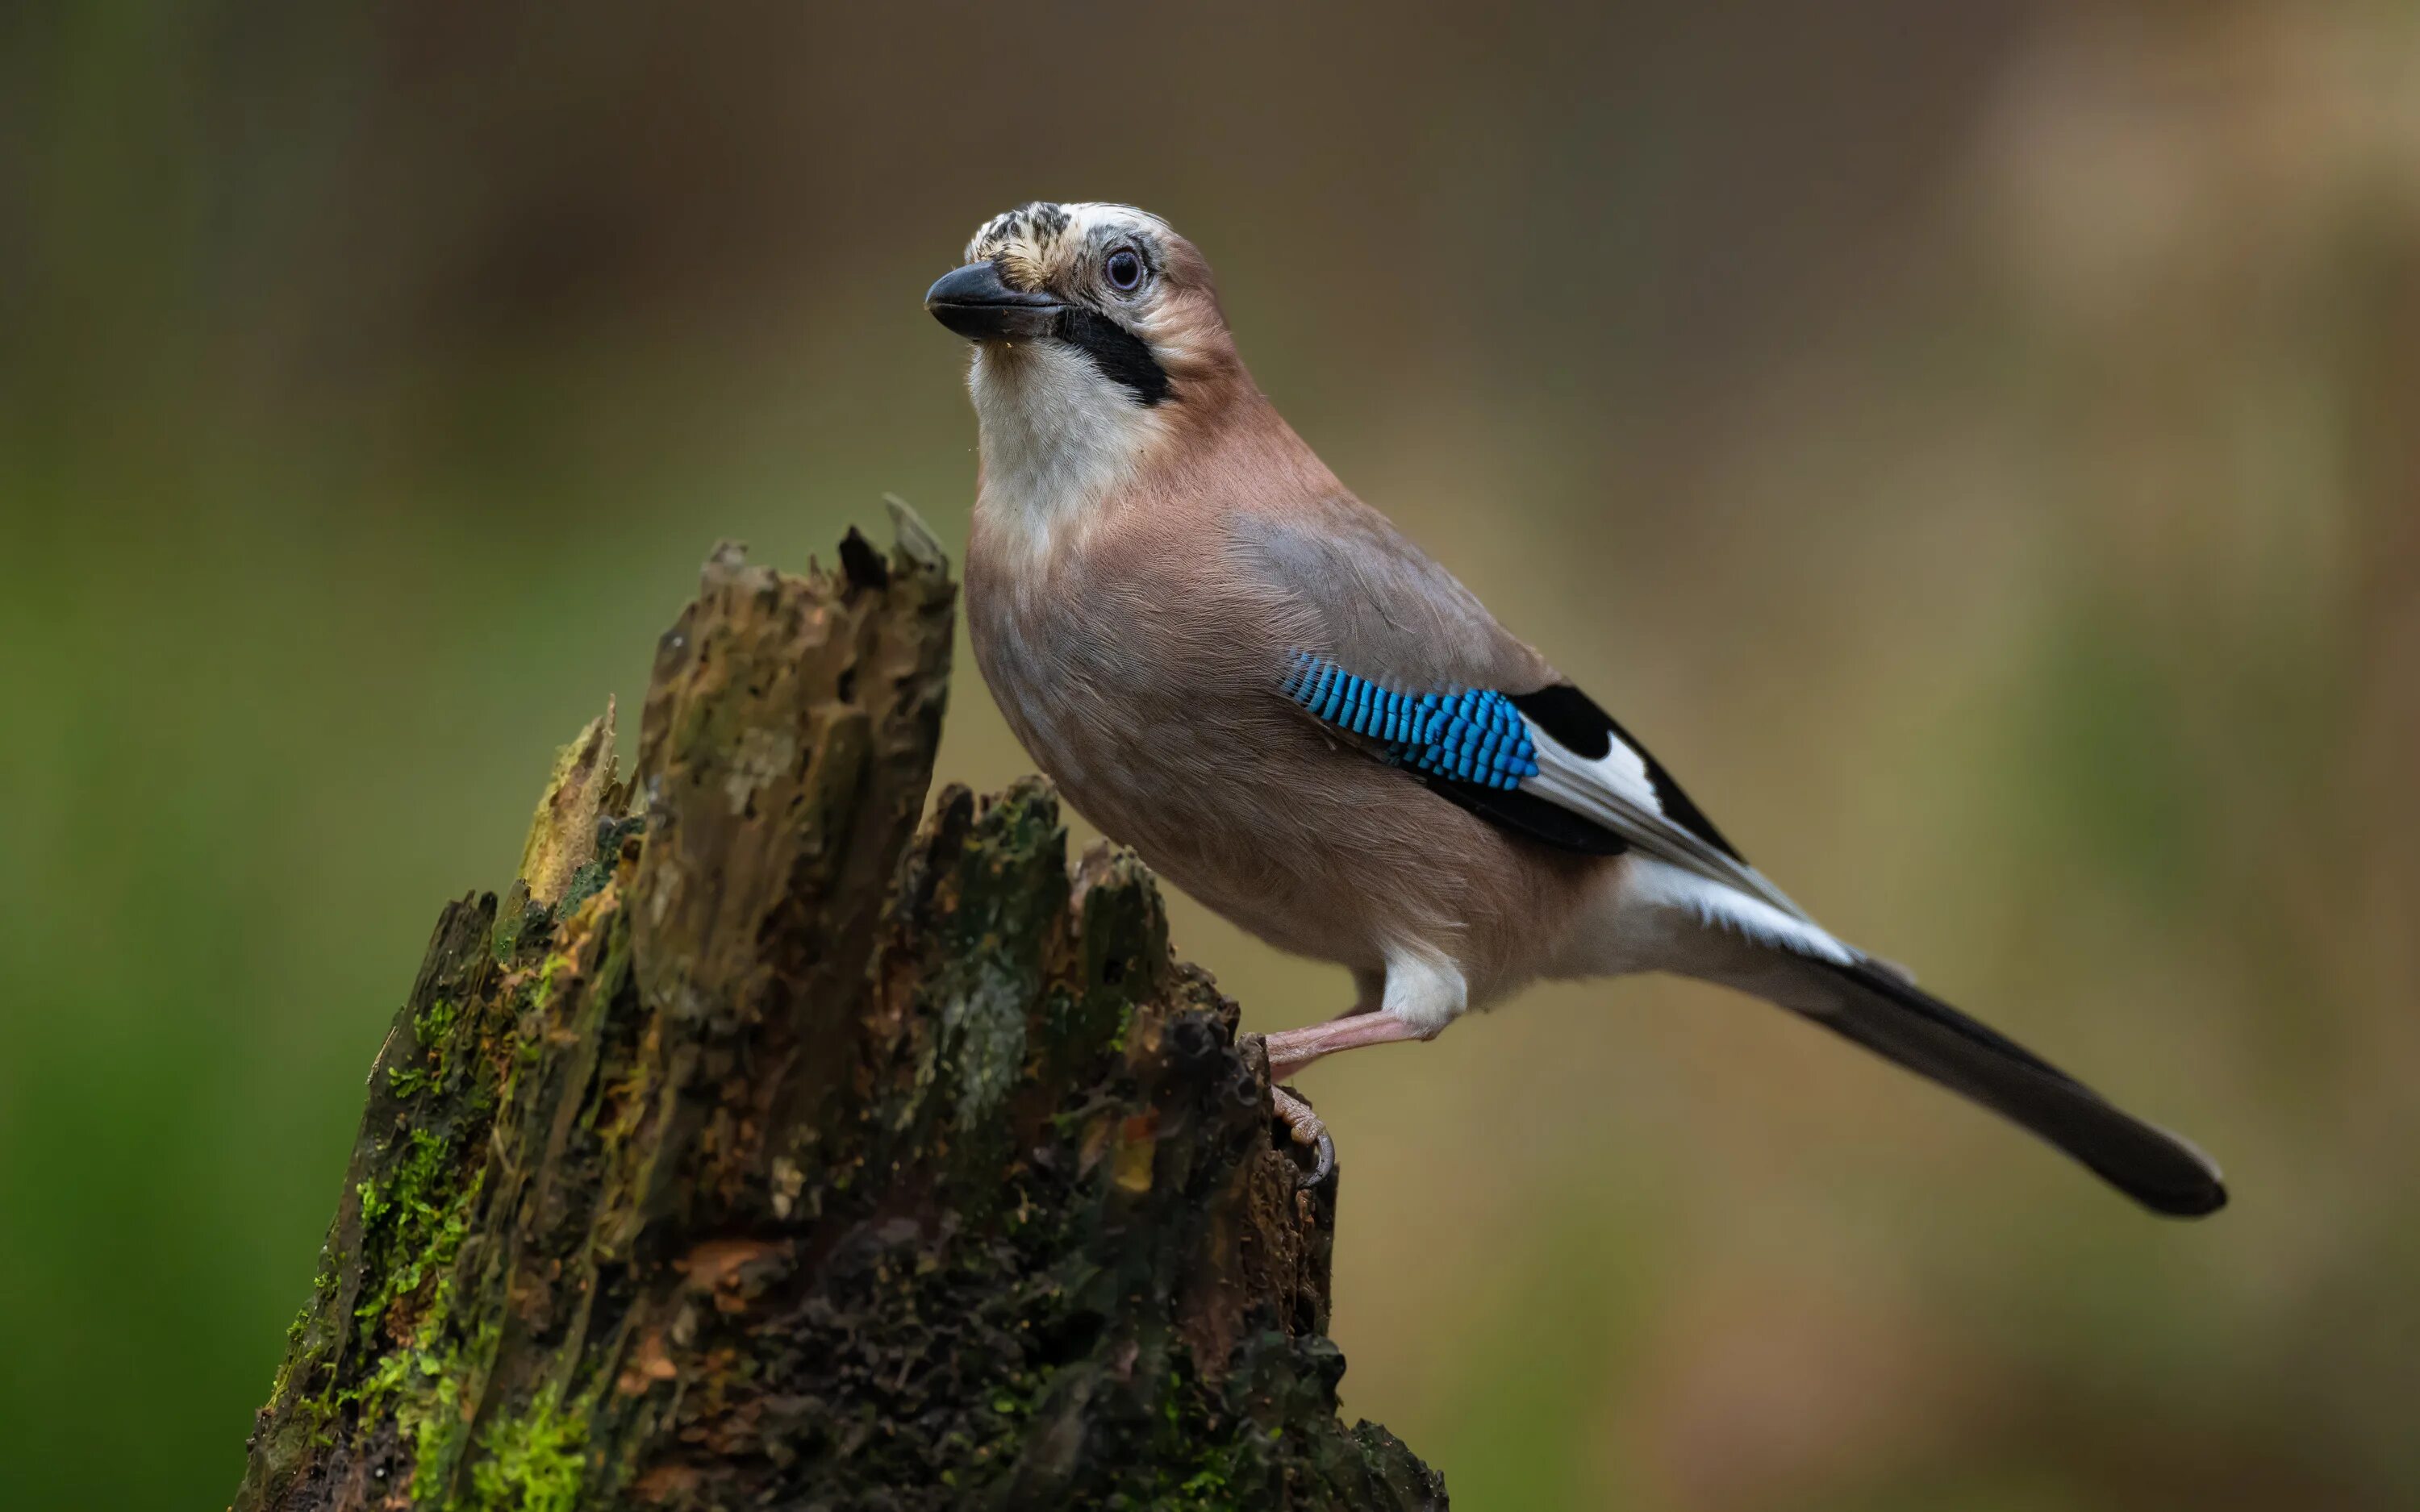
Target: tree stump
(760,1149)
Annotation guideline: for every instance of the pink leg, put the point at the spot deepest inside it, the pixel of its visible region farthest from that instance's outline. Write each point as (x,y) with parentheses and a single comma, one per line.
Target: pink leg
(1414,997)
(1291,1050)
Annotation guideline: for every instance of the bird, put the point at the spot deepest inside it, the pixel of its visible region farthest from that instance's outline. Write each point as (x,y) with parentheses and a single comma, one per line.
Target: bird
(1227,661)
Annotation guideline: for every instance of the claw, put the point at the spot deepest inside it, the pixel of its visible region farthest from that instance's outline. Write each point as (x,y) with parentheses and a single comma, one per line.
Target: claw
(1323,1165)
(1307,1130)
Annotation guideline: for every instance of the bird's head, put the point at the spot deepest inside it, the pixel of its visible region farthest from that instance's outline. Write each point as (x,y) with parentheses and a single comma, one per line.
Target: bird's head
(1097,333)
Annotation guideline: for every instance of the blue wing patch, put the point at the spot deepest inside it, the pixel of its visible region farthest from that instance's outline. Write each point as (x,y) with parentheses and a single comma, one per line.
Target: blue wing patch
(1475,736)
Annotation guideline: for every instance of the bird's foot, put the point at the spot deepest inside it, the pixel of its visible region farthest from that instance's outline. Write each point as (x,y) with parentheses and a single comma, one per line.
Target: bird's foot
(1309,1132)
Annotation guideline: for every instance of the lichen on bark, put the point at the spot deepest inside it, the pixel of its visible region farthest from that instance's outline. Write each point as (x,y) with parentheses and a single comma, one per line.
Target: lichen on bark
(760,1148)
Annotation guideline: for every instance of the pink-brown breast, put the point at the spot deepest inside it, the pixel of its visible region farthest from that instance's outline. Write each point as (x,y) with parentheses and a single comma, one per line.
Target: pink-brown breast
(1138,664)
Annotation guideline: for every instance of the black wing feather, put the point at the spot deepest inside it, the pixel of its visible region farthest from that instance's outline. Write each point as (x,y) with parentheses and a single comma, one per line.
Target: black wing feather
(1575,720)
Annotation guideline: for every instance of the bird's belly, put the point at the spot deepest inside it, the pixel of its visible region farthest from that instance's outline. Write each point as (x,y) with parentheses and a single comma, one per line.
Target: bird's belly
(1226,829)
(1228,793)
(1318,850)
(1192,786)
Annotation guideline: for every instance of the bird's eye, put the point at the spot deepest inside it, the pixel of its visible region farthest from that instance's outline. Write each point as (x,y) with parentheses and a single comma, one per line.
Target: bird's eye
(1124,269)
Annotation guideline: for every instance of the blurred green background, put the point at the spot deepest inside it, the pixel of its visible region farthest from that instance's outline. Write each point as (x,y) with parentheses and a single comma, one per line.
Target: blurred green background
(1978,444)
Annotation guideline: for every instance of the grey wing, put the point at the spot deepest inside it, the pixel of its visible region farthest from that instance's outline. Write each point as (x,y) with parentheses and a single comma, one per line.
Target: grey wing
(1347,590)
(1345,583)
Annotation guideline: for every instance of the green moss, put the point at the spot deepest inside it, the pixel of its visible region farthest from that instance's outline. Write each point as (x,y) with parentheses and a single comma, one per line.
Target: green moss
(1210,1487)
(590,879)
(432,1027)
(1203,1466)
(436,1021)
(585,884)
(304,1354)
(533,1462)
(552,972)
(421,1391)
(412,1224)
(433,1417)
(1026,1351)
(409,1081)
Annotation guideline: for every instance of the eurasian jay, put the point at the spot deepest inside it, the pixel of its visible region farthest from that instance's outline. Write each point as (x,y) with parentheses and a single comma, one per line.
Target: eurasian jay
(1229,662)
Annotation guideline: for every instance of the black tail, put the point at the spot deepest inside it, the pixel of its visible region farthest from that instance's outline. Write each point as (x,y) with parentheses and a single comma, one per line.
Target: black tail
(1893,1019)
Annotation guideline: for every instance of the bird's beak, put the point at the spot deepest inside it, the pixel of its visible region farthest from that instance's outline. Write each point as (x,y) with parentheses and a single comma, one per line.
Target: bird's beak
(975,304)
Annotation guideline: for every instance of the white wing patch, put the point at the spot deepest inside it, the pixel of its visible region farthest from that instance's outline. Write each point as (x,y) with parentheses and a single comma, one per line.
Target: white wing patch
(1615,791)
(1656,884)
(1620,771)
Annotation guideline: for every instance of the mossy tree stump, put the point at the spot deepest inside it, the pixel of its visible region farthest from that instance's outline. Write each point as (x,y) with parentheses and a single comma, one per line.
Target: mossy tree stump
(760,1149)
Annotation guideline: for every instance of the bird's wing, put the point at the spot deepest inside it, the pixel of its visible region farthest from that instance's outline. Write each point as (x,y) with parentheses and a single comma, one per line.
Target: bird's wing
(1388,649)
(1394,658)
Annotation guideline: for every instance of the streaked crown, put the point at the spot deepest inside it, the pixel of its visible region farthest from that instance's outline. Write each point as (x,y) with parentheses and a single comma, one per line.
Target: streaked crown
(1041,244)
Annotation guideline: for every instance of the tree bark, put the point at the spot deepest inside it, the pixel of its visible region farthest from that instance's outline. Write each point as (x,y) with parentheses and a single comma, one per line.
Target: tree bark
(758,1148)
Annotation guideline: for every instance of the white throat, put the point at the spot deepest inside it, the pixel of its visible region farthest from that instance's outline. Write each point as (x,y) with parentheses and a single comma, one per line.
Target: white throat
(1057,437)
